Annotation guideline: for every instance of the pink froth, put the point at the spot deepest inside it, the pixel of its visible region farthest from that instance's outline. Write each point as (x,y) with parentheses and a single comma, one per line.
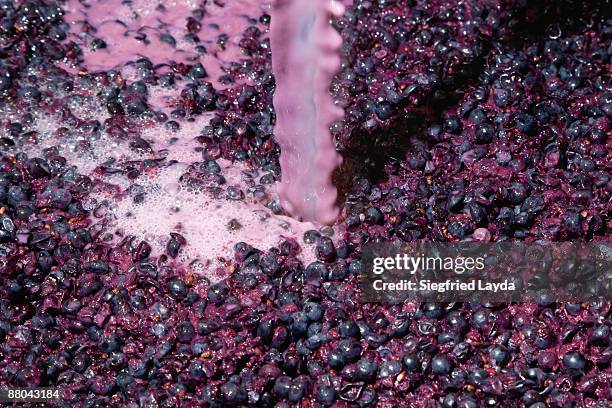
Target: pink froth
(211,225)
(132,30)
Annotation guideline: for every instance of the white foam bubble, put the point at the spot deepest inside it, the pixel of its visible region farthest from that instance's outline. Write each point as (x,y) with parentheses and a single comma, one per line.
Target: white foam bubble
(85,151)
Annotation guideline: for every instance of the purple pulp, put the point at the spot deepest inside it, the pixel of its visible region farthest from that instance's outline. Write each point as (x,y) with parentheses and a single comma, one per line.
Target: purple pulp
(477,120)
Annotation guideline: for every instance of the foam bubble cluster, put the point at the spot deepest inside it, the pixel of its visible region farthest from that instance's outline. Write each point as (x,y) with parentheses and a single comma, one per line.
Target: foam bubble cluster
(211,226)
(159,201)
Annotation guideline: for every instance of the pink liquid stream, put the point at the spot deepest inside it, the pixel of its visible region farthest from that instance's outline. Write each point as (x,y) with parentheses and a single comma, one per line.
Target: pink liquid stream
(304,60)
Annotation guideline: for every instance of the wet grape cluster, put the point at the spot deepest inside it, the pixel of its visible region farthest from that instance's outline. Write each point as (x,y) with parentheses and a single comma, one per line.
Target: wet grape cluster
(477,120)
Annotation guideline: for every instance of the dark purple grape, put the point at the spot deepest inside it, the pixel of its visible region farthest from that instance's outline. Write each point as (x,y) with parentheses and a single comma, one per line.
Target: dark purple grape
(177,288)
(390,369)
(410,362)
(325,395)
(366,370)
(326,249)
(197,71)
(574,361)
(441,364)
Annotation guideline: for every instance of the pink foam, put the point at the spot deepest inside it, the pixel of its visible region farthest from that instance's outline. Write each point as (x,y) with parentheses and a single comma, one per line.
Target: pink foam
(205,222)
(304,60)
(120,23)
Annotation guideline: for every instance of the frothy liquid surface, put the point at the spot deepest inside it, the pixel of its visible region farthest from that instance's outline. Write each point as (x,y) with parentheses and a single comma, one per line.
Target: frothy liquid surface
(162,31)
(305,59)
(154,203)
